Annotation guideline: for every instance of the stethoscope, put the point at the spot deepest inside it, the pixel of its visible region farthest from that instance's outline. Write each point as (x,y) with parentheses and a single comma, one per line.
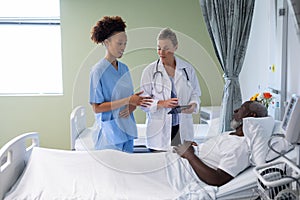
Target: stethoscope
(160,73)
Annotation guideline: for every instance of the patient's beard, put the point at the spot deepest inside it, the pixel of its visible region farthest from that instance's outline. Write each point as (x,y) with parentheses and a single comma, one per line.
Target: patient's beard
(235,124)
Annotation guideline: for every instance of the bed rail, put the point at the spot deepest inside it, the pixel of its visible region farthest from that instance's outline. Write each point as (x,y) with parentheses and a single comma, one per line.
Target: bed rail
(77,123)
(13,159)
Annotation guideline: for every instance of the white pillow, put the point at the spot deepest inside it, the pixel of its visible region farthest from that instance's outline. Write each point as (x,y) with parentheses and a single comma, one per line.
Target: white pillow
(258,131)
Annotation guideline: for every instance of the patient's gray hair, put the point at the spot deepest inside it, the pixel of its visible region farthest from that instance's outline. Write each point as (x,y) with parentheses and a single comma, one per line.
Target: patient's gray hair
(167,33)
(259,109)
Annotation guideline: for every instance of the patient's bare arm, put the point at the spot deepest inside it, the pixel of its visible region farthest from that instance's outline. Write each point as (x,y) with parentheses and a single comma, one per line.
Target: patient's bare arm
(208,175)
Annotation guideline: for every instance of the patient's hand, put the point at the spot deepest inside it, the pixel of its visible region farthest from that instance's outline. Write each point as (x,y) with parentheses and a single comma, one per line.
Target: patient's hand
(186,149)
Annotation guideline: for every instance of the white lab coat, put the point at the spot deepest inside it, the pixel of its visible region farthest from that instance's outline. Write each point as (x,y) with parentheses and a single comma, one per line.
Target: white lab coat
(158,122)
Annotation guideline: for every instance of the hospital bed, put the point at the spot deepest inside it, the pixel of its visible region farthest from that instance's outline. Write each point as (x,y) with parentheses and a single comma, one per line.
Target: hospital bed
(82,136)
(14,157)
(24,164)
(242,187)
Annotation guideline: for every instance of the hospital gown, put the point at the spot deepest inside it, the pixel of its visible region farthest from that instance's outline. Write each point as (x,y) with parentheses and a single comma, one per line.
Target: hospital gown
(227,152)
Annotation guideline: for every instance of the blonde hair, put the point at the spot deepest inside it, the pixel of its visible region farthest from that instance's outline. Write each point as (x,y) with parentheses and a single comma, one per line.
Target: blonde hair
(167,33)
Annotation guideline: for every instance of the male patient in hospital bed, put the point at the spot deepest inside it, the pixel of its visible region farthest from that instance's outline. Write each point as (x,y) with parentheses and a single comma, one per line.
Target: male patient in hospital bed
(222,158)
(109,174)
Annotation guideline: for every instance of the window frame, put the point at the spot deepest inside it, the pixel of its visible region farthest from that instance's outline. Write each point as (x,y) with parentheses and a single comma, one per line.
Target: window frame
(37,21)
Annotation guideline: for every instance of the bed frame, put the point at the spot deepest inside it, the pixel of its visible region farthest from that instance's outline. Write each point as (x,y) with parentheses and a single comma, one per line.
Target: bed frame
(77,123)
(13,159)
(15,154)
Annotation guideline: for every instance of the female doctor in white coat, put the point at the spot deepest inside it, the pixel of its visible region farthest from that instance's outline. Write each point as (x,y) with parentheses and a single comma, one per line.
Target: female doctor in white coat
(171,82)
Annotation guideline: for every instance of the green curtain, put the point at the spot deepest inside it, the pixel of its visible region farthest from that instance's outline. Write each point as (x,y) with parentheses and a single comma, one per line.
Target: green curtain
(229,23)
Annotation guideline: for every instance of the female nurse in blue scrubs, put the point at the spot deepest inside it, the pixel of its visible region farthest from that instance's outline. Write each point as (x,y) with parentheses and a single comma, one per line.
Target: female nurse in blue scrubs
(111,88)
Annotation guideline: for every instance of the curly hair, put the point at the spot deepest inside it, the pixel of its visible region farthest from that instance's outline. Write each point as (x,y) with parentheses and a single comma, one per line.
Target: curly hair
(106,27)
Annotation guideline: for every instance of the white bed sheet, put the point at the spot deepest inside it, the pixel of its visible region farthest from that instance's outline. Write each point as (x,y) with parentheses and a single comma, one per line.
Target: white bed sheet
(58,174)
(107,174)
(244,186)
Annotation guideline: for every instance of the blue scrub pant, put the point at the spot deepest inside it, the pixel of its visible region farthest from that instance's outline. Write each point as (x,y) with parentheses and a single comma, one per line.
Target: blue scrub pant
(126,146)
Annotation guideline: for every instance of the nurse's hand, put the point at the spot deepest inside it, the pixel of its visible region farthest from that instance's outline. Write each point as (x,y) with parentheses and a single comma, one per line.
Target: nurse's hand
(126,111)
(189,110)
(146,102)
(186,150)
(137,100)
(169,103)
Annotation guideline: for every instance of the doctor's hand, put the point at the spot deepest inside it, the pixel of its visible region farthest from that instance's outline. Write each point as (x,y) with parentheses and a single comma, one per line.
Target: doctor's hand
(186,150)
(189,110)
(137,100)
(170,103)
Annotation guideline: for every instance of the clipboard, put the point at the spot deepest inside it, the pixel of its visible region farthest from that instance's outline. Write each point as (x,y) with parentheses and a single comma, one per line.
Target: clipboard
(178,109)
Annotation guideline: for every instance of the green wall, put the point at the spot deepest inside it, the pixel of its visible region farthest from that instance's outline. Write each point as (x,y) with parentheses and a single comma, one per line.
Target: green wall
(49,115)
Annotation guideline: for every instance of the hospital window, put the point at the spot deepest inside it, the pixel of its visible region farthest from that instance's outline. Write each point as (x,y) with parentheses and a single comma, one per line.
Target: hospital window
(30,48)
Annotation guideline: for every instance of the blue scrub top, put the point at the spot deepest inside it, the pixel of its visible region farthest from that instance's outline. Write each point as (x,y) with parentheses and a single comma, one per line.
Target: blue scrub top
(108,84)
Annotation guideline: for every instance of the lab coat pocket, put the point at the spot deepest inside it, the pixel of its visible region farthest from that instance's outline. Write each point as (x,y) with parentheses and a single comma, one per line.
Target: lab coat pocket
(186,127)
(186,116)
(155,127)
(159,114)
